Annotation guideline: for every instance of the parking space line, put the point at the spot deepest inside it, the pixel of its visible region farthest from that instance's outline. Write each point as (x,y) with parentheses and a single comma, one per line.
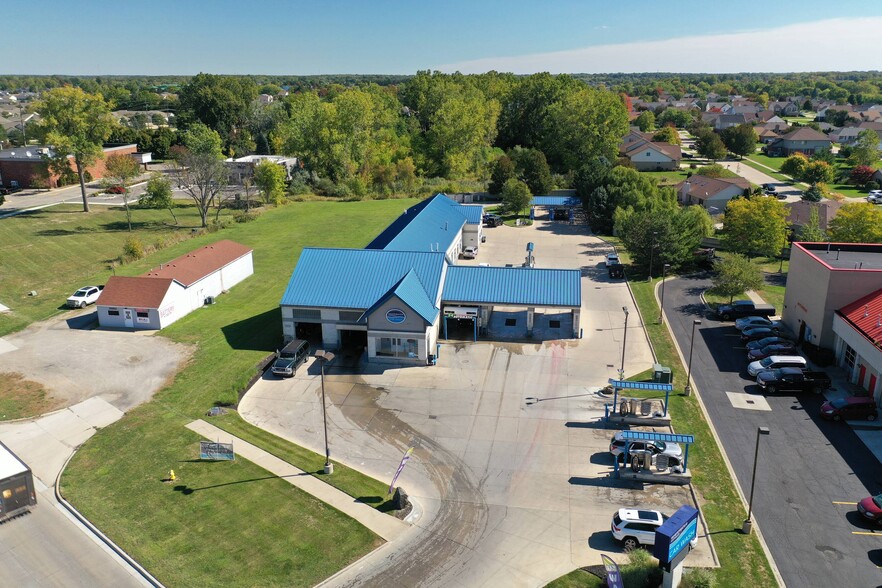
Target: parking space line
(850,503)
(865,533)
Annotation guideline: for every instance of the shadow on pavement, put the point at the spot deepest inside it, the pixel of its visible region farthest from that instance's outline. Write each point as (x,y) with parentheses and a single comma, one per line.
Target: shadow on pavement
(83,322)
(603,541)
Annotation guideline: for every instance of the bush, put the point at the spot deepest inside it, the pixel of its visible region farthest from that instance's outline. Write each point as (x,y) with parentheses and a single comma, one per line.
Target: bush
(133,249)
(697,578)
(813,194)
(245,217)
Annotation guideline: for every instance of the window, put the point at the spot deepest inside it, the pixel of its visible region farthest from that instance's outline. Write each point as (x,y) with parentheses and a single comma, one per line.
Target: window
(143,314)
(850,356)
(113,312)
(396,347)
(307,314)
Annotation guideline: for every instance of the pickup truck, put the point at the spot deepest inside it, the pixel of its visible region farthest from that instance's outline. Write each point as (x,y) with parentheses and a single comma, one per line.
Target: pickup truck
(84,296)
(793,380)
(742,308)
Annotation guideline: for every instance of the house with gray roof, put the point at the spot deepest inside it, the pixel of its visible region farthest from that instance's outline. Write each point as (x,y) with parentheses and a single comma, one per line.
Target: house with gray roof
(802,140)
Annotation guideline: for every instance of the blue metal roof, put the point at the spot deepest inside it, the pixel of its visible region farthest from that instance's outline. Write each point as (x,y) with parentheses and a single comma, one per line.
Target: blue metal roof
(649,436)
(412,293)
(431,225)
(511,285)
(556,201)
(473,213)
(357,278)
(627,385)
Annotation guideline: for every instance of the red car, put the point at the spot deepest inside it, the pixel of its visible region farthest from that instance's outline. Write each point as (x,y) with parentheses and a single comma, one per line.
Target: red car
(870,508)
(116,190)
(849,409)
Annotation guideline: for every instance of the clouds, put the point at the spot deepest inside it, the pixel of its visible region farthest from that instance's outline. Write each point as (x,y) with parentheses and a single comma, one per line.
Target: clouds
(840,44)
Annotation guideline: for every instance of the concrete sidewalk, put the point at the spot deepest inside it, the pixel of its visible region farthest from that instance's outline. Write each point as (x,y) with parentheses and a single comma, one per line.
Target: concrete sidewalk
(386,526)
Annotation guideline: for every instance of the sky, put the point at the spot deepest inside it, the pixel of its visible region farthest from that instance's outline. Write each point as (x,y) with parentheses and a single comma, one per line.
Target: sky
(185,37)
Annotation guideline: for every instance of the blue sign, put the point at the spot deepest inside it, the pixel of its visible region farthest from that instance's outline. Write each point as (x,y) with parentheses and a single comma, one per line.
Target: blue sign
(395,315)
(673,538)
(613,575)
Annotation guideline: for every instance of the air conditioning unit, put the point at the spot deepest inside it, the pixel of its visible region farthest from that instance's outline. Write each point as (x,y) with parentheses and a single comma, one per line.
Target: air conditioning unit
(209,300)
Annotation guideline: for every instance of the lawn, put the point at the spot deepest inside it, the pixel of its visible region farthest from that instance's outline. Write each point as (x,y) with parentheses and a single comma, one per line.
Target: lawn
(54,251)
(770,292)
(772,174)
(227,524)
(21,398)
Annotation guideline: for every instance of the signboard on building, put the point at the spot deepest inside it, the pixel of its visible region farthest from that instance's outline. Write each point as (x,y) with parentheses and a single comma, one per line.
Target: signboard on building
(216,451)
(395,316)
(673,537)
(461,312)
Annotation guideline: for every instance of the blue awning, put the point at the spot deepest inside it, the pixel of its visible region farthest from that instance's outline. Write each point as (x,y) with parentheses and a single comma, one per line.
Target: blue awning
(627,385)
(650,436)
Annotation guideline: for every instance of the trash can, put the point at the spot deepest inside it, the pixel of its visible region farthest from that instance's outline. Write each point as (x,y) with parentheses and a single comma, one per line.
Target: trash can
(661,374)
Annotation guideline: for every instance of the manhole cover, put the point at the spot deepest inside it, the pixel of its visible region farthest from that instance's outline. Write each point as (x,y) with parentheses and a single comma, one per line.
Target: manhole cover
(432,417)
(750,402)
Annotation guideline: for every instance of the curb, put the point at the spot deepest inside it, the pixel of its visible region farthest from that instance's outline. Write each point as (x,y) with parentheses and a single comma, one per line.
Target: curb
(104,538)
(697,393)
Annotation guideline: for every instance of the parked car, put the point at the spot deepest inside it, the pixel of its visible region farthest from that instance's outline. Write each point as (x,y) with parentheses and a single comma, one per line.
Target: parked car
(850,408)
(792,379)
(492,220)
(769,350)
(750,322)
(84,296)
(770,189)
(871,508)
(634,527)
(740,308)
(612,259)
(774,362)
(470,252)
(290,357)
(755,333)
(617,447)
(116,190)
(766,341)
(874,197)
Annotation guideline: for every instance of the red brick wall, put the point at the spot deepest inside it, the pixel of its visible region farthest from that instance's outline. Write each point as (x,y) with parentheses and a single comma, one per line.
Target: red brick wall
(25,171)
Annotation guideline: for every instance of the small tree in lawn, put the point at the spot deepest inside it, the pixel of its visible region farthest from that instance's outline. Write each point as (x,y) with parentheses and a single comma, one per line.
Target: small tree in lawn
(794,165)
(755,225)
(818,172)
(269,177)
(122,169)
(740,140)
(645,121)
(735,275)
(813,194)
(865,150)
(811,231)
(200,169)
(159,195)
(515,196)
(711,146)
(667,134)
(857,222)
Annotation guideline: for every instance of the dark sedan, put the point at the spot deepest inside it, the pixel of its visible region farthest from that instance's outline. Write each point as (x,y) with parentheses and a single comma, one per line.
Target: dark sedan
(765,341)
(757,333)
(776,349)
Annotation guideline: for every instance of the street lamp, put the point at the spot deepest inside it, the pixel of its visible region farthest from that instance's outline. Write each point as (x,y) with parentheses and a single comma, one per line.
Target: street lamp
(661,310)
(651,252)
(624,343)
(325,357)
(748,524)
(688,389)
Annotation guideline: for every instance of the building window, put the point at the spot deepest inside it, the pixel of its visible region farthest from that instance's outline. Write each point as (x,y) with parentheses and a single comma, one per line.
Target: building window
(113,312)
(307,314)
(143,314)
(395,347)
(850,356)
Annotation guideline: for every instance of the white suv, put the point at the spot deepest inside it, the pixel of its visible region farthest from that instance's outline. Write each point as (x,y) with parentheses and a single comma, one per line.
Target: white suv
(875,197)
(612,259)
(632,527)
(470,252)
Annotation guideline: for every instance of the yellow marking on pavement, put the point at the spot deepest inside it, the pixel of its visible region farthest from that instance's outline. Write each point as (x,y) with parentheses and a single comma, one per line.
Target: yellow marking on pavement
(838,502)
(864,533)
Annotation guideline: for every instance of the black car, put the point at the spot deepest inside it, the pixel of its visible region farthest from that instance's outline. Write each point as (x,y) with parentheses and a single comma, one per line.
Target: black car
(773,340)
(769,188)
(492,220)
(758,333)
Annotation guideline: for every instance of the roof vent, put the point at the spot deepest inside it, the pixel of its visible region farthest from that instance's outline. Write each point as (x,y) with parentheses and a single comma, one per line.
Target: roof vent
(866,310)
(879,321)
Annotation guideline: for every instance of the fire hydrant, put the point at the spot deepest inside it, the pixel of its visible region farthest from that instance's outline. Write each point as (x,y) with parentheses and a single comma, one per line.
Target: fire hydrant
(171,475)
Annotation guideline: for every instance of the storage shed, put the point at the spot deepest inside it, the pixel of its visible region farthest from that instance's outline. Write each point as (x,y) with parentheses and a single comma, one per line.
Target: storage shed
(164,294)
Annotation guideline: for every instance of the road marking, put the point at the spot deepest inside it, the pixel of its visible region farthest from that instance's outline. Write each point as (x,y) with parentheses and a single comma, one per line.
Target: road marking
(865,533)
(851,503)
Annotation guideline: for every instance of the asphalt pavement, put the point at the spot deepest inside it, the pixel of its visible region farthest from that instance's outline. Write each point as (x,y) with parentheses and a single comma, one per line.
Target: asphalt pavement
(809,473)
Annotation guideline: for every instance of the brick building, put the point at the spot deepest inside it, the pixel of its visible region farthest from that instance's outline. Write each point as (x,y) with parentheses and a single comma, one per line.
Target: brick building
(28,165)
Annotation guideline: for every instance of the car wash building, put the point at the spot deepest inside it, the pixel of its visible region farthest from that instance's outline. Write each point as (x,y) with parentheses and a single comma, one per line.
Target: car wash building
(399,295)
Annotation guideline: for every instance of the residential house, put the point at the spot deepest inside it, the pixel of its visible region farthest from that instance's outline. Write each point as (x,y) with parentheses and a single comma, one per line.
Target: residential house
(633,137)
(653,156)
(802,140)
(767,135)
(785,108)
(711,192)
(846,135)
(799,212)
(724,121)
(724,107)
(266,98)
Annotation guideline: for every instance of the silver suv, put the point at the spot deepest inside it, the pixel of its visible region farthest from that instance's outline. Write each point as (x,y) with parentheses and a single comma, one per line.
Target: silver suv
(632,527)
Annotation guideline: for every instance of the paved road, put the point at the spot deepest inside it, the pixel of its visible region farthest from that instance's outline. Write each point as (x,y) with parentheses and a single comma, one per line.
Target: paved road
(805,465)
(754,176)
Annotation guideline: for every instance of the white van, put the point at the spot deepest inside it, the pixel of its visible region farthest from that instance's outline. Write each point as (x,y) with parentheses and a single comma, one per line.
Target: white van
(776,361)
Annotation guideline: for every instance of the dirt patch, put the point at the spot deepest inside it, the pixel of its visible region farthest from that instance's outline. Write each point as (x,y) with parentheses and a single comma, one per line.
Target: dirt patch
(22,398)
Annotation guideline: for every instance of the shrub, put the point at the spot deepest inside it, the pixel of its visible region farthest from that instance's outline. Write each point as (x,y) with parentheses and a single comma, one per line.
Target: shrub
(813,194)
(132,249)
(862,175)
(697,578)
(245,217)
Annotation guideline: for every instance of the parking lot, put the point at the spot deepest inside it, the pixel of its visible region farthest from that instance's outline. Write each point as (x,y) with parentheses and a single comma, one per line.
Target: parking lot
(509,492)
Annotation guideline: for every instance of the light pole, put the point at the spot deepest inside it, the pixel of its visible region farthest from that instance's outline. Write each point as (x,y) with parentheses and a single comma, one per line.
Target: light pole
(661,310)
(651,252)
(325,357)
(748,524)
(624,343)
(688,389)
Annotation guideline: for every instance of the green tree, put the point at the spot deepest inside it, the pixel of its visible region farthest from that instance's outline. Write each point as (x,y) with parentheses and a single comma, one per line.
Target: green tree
(532,168)
(222,103)
(122,169)
(503,170)
(200,169)
(817,172)
(651,237)
(159,195)
(740,140)
(813,194)
(667,134)
(157,119)
(826,155)
(811,231)
(75,123)
(735,275)
(794,165)
(524,110)
(865,151)
(857,222)
(269,178)
(755,226)
(515,196)
(679,118)
(711,146)
(645,121)
(588,122)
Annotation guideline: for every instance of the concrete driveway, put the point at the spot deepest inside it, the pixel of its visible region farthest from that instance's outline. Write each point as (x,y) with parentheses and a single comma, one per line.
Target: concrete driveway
(791,192)
(511,492)
(75,363)
(808,469)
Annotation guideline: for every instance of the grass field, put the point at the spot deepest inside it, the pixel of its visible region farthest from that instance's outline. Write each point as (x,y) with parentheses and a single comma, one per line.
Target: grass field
(21,398)
(226,523)
(56,250)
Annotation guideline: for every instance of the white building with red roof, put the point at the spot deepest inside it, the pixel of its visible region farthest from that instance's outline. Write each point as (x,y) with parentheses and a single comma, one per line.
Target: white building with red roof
(166,293)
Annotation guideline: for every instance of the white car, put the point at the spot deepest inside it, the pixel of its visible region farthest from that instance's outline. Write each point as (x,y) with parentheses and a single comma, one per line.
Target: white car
(633,527)
(84,296)
(470,252)
(617,446)
(875,197)
(773,362)
(612,259)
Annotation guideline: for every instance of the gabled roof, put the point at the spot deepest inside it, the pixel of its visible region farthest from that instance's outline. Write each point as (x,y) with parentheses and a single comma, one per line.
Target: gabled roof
(192,267)
(431,225)
(707,187)
(412,293)
(805,134)
(134,292)
(799,212)
(865,315)
(357,278)
(513,285)
(672,151)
